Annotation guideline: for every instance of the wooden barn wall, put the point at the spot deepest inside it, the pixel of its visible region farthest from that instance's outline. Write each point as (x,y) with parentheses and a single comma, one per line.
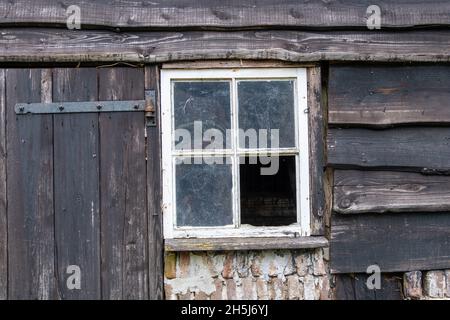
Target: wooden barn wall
(77,189)
(389,144)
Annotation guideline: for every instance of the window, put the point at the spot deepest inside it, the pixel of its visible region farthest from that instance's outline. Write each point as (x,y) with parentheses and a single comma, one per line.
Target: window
(235,152)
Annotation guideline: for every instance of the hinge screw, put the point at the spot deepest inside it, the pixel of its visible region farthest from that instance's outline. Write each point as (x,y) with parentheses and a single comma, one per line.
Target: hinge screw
(136,106)
(22,109)
(61,108)
(99,107)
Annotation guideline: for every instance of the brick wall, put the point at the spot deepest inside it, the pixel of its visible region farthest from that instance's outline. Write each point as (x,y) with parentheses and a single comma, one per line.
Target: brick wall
(272,274)
(427,285)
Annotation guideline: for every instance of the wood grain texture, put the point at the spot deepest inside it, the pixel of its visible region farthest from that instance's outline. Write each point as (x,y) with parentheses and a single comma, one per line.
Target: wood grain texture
(395,242)
(423,149)
(3,199)
(76,169)
(354,287)
(123,188)
(53,45)
(317,148)
(224,14)
(257,243)
(388,95)
(389,191)
(31,273)
(155,232)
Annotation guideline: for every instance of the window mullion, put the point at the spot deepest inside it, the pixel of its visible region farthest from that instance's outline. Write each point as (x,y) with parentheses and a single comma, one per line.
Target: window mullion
(235,136)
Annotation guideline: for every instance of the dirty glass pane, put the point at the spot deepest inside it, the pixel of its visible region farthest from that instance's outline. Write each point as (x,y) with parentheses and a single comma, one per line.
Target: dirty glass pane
(266,105)
(268,199)
(205,105)
(204,191)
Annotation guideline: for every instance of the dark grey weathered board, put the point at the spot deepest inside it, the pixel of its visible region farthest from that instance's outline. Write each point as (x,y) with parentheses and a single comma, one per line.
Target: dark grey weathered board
(3,214)
(380,95)
(50,45)
(414,148)
(394,242)
(123,188)
(229,13)
(389,191)
(76,152)
(156,243)
(31,273)
(354,287)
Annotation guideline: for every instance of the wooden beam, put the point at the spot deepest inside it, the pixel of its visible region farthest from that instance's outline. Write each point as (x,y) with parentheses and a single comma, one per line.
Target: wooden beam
(221,244)
(389,191)
(422,149)
(155,232)
(395,242)
(316,150)
(230,64)
(226,14)
(53,45)
(387,95)
(3,198)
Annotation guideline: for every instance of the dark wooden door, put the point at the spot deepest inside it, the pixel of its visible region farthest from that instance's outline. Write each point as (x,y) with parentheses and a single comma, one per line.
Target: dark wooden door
(79,189)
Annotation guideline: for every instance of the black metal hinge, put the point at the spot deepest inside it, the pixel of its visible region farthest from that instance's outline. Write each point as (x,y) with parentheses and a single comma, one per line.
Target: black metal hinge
(150,109)
(80,107)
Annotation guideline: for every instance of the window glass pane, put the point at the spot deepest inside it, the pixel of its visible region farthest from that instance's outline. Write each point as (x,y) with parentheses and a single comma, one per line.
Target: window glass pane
(268,198)
(204,105)
(204,191)
(266,105)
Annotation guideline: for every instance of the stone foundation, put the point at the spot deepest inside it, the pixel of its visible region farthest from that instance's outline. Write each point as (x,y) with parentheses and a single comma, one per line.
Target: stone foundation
(248,275)
(274,275)
(427,285)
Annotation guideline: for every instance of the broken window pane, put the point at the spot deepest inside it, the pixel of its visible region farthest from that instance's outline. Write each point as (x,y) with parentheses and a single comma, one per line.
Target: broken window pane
(205,105)
(266,105)
(268,200)
(204,191)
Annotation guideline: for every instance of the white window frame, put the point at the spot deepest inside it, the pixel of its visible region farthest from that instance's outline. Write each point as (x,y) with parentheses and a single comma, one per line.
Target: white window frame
(302,227)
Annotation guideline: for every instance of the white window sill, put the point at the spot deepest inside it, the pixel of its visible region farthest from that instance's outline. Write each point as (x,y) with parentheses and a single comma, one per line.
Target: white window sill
(245,243)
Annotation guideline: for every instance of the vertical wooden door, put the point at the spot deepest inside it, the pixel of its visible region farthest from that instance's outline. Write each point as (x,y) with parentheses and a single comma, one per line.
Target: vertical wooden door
(79,188)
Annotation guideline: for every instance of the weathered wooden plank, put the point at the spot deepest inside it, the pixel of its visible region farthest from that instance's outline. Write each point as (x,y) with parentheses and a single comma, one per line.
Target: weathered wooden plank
(317,148)
(256,243)
(414,148)
(123,188)
(354,287)
(214,14)
(76,168)
(31,273)
(50,45)
(394,242)
(389,191)
(3,213)
(155,234)
(387,95)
